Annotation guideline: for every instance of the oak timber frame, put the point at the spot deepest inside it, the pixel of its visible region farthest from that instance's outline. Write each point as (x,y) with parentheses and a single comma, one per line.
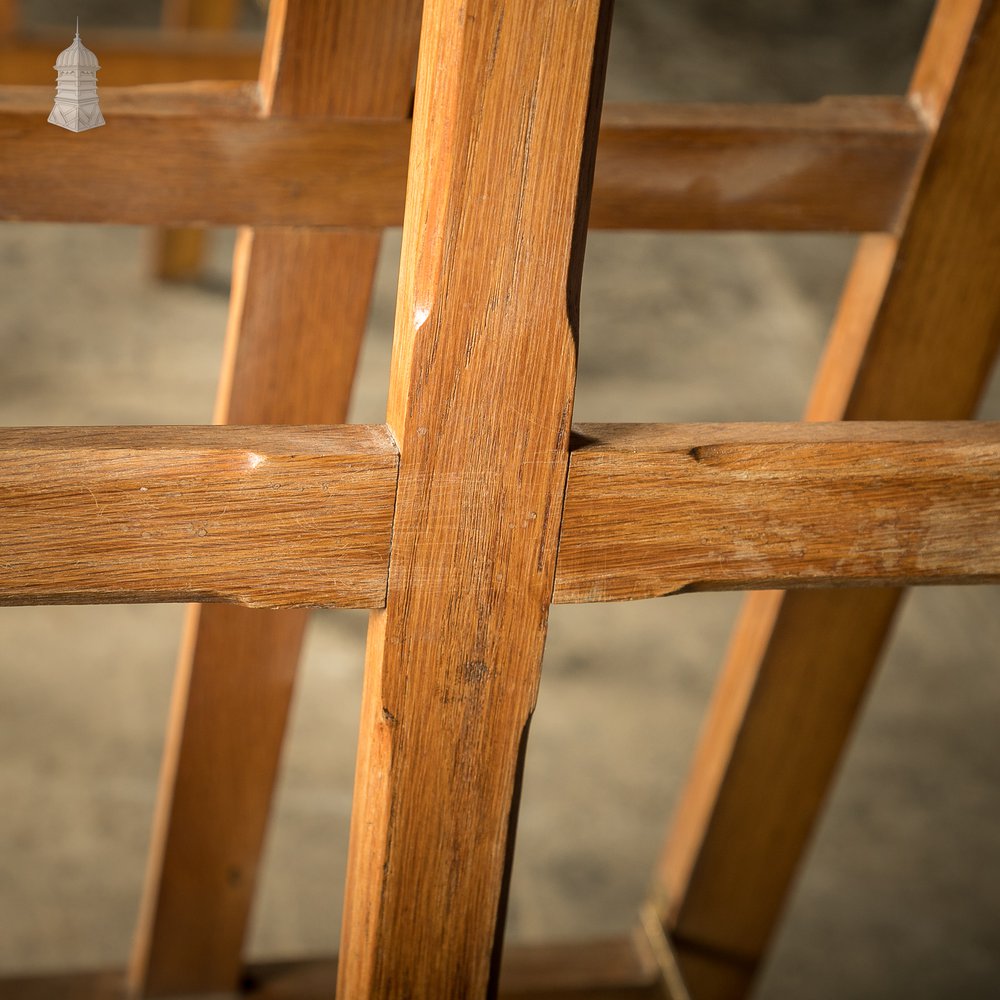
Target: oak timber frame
(470,518)
(142,57)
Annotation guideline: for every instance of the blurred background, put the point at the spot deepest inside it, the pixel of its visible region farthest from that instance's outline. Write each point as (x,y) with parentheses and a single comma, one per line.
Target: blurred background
(900,896)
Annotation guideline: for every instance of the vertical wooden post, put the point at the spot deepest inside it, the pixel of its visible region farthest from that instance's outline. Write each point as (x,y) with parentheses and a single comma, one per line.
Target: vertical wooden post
(481,394)
(298,310)
(915,338)
(178,253)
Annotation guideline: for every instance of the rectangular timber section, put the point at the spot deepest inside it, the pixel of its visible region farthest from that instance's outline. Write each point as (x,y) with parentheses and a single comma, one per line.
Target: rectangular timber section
(915,338)
(653,509)
(263,516)
(505,127)
(104,515)
(607,969)
(129,57)
(843,164)
(297,312)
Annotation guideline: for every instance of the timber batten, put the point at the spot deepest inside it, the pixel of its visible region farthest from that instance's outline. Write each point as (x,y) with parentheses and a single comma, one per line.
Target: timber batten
(843,165)
(488,510)
(650,509)
(98,515)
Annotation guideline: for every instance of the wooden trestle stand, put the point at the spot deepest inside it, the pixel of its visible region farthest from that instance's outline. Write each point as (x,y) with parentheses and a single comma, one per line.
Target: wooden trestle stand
(477,505)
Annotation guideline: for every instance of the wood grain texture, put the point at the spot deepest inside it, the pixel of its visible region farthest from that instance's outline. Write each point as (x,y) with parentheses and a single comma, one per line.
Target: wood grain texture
(933,349)
(843,164)
(653,509)
(611,969)
(224,169)
(649,509)
(131,57)
(374,69)
(505,129)
(256,516)
(297,314)
(205,98)
(914,339)
(840,164)
(289,354)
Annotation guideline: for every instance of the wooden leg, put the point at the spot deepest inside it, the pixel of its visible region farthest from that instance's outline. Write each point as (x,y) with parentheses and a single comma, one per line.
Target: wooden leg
(915,338)
(178,253)
(481,393)
(236,671)
(298,310)
(218,774)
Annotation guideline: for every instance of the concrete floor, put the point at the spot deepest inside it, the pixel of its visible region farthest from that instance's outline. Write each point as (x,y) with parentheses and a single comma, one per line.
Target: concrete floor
(900,896)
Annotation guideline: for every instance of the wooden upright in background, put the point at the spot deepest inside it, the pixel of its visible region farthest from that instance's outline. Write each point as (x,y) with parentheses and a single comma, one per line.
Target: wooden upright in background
(915,338)
(297,313)
(179,253)
(504,136)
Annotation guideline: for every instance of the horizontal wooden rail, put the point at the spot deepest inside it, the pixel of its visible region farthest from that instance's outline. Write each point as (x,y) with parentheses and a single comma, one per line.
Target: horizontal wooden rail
(840,164)
(283,517)
(262,516)
(653,510)
(133,57)
(199,154)
(617,969)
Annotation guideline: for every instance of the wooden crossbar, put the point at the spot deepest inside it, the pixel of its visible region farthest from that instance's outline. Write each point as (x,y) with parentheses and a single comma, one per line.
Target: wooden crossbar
(262,516)
(842,164)
(653,510)
(274,517)
(613,969)
(133,57)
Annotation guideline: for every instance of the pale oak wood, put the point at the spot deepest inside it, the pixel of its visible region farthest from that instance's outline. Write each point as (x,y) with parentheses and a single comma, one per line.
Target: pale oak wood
(206,98)
(614,969)
(132,57)
(480,400)
(9,17)
(225,169)
(649,509)
(653,510)
(260,516)
(914,338)
(297,313)
(842,164)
